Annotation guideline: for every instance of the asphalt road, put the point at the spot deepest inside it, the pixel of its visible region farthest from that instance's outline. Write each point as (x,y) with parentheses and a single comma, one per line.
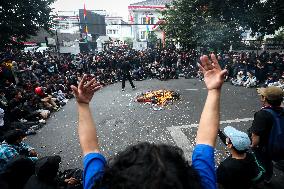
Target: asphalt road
(121,121)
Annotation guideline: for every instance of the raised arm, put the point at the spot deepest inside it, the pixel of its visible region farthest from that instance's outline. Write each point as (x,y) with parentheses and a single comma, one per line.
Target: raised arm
(87,130)
(210,117)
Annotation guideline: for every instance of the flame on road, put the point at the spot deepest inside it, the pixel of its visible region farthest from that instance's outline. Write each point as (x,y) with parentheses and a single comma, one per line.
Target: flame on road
(159,97)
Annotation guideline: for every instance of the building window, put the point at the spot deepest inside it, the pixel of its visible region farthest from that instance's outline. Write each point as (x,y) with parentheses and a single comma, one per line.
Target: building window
(151,20)
(143,20)
(143,35)
(112,31)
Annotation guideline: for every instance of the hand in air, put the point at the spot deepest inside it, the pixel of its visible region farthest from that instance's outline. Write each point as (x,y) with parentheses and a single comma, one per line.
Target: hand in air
(86,89)
(214,76)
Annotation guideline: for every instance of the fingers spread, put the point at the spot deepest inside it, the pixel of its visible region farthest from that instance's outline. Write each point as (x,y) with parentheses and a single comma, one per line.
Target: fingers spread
(90,83)
(201,68)
(75,90)
(96,88)
(224,73)
(81,84)
(204,60)
(215,61)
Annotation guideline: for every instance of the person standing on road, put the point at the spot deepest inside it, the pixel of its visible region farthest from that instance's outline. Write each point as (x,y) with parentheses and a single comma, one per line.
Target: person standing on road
(271,98)
(125,69)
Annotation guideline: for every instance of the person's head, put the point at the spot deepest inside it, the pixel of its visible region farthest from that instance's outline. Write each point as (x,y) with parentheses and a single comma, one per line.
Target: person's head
(240,73)
(18,95)
(272,96)
(46,168)
(237,140)
(150,166)
(14,136)
(249,74)
(18,171)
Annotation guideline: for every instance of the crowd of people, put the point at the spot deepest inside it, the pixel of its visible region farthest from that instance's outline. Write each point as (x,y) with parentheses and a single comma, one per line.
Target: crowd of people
(33,85)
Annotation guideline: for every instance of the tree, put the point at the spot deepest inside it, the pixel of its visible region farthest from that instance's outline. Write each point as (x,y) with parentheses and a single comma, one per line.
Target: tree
(129,41)
(191,25)
(221,22)
(20,19)
(261,16)
(152,39)
(279,36)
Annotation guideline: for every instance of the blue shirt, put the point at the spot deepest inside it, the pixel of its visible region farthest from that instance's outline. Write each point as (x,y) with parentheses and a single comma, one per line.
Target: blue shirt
(94,164)
(203,162)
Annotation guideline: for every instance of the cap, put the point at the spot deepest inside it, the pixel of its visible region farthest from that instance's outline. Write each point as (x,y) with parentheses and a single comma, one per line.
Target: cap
(38,90)
(1,117)
(271,93)
(239,139)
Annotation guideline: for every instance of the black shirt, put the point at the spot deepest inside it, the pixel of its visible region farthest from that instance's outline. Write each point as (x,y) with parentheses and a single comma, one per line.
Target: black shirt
(237,173)
(262,124)
(126,67)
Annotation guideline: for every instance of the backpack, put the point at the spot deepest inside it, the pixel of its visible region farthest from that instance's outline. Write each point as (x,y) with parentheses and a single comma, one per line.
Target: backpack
(276,137)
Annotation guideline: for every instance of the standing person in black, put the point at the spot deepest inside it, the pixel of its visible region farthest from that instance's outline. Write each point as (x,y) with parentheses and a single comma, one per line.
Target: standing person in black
(271,98)
(125,69)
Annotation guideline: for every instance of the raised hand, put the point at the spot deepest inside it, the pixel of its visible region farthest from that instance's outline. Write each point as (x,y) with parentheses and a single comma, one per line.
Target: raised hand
(213,74)
(86,89)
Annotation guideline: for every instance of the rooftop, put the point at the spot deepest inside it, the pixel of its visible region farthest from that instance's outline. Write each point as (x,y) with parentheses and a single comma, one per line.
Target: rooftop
(152,2)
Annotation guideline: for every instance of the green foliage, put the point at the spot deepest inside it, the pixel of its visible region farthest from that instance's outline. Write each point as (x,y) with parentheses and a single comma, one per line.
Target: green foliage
(219,23)
(21,18)
(152,39)
(279,36)
(129,41)
(191,25)
(262,16)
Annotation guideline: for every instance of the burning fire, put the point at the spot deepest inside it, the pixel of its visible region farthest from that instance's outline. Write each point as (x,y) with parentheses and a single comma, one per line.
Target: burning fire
(158,97)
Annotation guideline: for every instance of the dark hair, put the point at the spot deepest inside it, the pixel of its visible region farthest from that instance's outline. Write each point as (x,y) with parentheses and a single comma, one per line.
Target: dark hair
(150,166)
(274,102)
(12,136)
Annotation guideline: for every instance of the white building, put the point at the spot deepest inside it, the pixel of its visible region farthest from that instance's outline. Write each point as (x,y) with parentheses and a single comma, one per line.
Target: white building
(116,28)
(145,16)
(67,22)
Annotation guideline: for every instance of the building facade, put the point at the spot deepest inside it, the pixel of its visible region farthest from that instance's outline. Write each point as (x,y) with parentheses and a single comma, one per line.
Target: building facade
(117,29)
(145,17)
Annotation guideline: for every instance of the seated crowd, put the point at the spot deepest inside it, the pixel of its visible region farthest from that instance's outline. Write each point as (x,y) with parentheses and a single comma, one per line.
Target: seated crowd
(32,86)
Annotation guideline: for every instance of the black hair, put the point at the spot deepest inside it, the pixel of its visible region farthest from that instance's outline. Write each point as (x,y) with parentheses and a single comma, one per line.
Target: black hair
(12,136)
(149,166)
(274,102)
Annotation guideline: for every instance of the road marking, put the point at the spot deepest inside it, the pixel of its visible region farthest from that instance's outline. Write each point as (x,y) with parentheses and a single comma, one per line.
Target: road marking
(182,141)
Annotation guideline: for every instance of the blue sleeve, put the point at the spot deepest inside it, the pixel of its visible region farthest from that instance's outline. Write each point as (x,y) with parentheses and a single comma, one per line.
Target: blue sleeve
(94,164)
(203,162)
